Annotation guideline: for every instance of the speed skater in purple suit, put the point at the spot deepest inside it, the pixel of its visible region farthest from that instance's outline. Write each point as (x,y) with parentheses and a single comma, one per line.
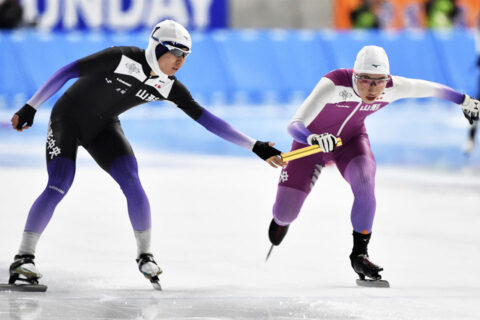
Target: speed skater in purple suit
(109,83)
(337,108)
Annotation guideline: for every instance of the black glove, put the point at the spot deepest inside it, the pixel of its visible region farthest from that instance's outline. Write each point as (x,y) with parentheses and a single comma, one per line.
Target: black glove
(264,151)
(25,116)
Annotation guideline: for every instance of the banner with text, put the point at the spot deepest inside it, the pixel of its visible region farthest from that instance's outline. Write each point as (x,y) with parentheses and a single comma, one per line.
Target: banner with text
(124,15)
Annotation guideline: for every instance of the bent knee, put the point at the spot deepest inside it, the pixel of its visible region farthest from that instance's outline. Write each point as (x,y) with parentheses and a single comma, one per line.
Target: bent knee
(61,173)
(360,173)
(288,204)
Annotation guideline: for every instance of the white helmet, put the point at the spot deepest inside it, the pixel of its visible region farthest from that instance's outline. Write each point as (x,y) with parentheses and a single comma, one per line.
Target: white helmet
(166,31)
(372,59)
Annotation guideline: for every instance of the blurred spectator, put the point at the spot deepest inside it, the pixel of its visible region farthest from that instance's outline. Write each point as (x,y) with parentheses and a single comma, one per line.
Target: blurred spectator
(410,14)
(10,14)
(398,14)
(365,15)
(442,13)
(372,14)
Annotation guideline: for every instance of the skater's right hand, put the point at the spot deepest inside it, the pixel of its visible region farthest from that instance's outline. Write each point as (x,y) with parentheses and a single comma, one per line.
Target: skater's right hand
(23,118)
(326,141)
(267,152)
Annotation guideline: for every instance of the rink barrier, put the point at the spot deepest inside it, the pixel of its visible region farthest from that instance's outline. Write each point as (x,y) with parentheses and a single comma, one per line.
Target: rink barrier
(232,67)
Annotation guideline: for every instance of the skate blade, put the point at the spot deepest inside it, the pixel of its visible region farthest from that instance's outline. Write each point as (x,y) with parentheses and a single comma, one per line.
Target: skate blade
(23,287)
(269,253)
(156,283)
(157,286)
(373,283)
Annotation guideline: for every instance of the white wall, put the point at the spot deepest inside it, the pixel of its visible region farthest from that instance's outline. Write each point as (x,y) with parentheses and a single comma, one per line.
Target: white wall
(310,14)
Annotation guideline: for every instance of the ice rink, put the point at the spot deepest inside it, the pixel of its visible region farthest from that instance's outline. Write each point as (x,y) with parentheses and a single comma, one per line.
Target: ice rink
(210,220)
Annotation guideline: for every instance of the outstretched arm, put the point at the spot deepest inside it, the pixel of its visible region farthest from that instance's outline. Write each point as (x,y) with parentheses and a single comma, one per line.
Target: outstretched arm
(416,88)
(23,118)
(183,99)
(54,84)
(224,130)
(97,63)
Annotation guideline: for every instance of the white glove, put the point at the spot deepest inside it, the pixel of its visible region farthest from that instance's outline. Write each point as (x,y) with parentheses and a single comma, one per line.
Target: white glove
(470,108)
(326,141)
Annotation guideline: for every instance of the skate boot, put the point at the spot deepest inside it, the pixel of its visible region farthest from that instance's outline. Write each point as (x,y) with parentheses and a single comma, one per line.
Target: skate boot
(23,269)
(276,233)
(149,268)
(368,272)
(364,267)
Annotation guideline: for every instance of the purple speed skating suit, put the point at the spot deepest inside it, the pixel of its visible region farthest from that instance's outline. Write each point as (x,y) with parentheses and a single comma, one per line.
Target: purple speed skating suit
(109,83)
(335,107)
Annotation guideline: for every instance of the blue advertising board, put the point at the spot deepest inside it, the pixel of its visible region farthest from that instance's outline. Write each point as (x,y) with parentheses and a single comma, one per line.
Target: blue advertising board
(127,15)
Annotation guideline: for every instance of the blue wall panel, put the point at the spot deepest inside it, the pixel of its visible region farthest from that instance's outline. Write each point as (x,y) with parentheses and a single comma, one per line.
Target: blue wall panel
(252,67)
(262,68)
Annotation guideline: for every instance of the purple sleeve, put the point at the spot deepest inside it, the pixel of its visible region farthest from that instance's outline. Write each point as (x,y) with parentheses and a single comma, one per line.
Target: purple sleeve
(417,88)
(449,94)
(54,84)
(222,129)
(298,131)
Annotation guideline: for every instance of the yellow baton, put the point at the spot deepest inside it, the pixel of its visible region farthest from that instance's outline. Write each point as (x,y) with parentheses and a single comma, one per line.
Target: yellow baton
(303,152)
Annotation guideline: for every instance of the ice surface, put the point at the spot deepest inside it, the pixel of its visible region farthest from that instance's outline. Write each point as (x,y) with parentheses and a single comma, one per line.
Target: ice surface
(210,220)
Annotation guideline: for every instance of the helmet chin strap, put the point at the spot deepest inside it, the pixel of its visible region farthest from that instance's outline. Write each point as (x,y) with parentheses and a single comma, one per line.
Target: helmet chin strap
(355,89)
(152,59)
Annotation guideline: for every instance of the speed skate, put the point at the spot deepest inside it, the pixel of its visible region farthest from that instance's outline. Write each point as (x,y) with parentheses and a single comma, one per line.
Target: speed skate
(368,272)
(149,268)
(23,269)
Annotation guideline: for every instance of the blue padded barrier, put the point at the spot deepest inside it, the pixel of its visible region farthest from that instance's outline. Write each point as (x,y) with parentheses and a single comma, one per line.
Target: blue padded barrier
(206,78)
(247,66)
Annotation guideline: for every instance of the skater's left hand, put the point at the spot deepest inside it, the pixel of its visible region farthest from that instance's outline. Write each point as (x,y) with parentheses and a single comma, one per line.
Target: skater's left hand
(267,152)
(470,108)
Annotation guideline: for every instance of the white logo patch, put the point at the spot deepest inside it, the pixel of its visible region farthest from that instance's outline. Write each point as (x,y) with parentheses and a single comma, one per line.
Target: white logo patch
(370,107)
(57,189)
(284,176)
(124,82)
(345,94)
(145,96)
(131,68)
(51,144)
(163,86)
(122,91)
